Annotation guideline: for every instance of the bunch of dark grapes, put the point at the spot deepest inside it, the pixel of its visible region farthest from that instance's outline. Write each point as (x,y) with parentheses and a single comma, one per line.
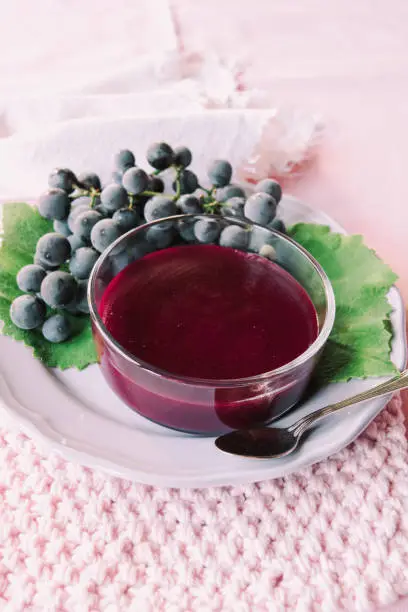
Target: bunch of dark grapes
(88,217)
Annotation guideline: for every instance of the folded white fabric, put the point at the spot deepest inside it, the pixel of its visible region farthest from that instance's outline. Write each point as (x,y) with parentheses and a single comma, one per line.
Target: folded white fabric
(76,106)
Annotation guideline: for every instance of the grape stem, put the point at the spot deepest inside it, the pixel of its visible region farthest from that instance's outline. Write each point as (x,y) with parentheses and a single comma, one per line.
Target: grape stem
(93,195)
(209,192)
(213,206)
(150,193)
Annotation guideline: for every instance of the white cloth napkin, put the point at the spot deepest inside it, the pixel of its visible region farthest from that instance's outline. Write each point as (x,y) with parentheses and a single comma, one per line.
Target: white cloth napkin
(81,81)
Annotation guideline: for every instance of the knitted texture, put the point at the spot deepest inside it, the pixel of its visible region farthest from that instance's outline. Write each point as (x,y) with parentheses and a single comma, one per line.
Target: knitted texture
(331,537)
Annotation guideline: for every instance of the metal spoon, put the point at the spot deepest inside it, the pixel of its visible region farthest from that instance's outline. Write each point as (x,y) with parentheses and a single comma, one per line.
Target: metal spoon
(275,442)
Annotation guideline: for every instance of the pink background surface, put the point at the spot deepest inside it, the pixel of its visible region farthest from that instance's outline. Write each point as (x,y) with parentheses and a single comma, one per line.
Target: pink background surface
(347,60)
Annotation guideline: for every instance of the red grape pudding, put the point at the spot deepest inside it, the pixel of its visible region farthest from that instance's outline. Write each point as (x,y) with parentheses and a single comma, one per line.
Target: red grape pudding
(210,312)
(201,327)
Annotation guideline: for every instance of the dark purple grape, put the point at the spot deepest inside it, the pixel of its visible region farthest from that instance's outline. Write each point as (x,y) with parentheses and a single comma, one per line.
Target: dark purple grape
(30,277)
(76,242)
(84,223)
(230,191)
(114,197)
(57,329)
(44,264)
(160,155)
(126,219)
(207,230)
(182,157)
(160,237)
(79,205)
(82,262)
(234,237)
(185,228)
(90,180)
(53,248)
(135,180)
(58,289)
(188,182)
(189,205)
(27,312)
(104,233)
(220,172)
(61,227)
(124,160)
(260,208)
(62,178)
(159,207)
(155,184)
(271,187)
(101,210)
(54,204)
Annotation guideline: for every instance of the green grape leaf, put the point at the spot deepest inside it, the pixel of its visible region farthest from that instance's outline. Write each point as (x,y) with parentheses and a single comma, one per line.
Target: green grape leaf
(359,345)
(22,227)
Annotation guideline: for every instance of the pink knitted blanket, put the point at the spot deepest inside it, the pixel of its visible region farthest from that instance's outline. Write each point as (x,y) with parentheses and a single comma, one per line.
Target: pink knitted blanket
(331,537)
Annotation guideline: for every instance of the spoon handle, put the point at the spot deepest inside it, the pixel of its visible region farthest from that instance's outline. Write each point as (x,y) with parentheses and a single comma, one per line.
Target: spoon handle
(399,382)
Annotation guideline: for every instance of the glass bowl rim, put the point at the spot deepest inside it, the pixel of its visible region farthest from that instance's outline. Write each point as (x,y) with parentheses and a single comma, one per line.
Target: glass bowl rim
(213,382)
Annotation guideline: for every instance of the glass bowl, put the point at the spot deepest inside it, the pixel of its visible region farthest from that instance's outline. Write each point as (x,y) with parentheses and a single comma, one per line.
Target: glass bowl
(198,405)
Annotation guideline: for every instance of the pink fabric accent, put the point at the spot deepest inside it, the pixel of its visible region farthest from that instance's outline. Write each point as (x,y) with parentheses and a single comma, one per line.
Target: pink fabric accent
(332,537)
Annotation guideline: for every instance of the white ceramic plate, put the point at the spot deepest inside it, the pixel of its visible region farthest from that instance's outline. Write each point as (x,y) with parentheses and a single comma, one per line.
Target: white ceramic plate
(76,414)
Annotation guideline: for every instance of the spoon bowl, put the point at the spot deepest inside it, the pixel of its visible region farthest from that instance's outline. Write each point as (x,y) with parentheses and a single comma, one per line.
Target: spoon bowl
(277,442)
(261,443)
